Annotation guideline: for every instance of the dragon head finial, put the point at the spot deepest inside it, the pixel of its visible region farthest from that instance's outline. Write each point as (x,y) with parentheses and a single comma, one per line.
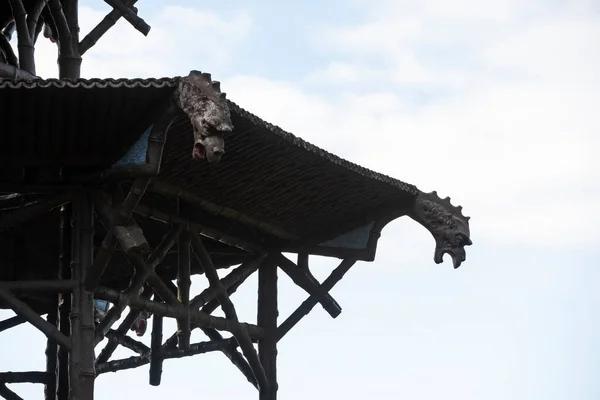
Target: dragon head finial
(447,224)
(201,99)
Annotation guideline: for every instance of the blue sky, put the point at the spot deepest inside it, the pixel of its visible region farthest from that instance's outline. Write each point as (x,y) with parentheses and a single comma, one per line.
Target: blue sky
(490,102)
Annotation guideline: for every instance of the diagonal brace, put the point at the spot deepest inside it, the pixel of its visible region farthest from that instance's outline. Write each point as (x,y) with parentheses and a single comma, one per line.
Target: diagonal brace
(112,219)
(308,304)
(24,311)
(143,271)
(239,333)
(304,279)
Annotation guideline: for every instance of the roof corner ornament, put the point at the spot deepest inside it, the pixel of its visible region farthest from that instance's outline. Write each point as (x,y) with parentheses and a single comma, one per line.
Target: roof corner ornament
(447,224)
(200,98)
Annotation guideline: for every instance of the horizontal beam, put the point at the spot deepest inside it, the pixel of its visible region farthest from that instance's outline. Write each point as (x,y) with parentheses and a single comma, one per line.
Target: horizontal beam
(177,311)
(212,233)
(25,377)
(138,361)
(33,210)
(47,286)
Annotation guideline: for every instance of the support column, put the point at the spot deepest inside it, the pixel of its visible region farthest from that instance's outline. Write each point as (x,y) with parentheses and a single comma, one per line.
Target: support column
(267,319)
(81,360)
(64,306)
(51,357)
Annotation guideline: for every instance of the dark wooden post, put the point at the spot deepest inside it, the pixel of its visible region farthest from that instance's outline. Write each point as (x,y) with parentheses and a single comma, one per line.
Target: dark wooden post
(64,307)
(69,59)
(267,319)
(81,360)
(51,358)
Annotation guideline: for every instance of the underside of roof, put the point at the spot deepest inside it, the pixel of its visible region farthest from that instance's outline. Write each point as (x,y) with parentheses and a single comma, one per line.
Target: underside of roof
(270,189)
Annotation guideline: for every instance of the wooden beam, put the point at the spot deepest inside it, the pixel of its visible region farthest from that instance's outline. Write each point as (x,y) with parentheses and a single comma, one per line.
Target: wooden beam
(11,322)
(212,233)
(156,363)
(138,281)
(302,278)
(51,357)
(308,304)
(176,311)
(49,286)
(99,30)
(81,360)
(24,377)
(208,299)
(33,210)
(64,302)
(131,317)
(138,361)
(24,311)
(235,278)
(239,333)
(111,218)
(267,319)
(127,342)
(183,288)
(8,394)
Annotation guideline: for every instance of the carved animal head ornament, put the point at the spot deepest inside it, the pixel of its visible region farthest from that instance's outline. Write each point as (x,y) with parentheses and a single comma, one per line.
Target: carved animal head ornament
(201,99)
(447,224)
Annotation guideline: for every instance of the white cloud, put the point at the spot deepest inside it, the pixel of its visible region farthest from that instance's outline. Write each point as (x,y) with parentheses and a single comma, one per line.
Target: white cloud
(512,139)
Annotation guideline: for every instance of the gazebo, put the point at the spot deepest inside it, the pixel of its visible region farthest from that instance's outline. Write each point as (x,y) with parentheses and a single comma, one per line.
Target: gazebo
(119,190)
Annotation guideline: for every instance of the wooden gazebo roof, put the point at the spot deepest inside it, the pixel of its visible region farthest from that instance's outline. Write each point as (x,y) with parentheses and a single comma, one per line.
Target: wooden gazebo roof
(270,189)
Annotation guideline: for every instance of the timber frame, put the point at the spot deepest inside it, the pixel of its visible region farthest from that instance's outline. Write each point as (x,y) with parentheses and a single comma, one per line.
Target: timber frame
(94,208)
(69,327)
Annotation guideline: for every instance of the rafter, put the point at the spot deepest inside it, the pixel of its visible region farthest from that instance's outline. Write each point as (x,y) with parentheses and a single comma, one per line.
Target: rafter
(138,23)
(33,210)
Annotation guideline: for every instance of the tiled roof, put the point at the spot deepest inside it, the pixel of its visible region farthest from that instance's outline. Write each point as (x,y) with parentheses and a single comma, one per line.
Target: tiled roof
(267,174)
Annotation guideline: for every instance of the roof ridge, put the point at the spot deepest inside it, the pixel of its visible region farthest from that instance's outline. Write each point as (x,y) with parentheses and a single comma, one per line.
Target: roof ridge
(89,83)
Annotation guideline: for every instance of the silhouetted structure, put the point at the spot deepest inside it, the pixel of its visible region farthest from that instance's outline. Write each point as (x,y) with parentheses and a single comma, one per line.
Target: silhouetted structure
(104,197)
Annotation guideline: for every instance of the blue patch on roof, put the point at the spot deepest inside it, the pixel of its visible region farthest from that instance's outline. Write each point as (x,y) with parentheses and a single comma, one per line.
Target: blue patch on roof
(137,153)
(356,239)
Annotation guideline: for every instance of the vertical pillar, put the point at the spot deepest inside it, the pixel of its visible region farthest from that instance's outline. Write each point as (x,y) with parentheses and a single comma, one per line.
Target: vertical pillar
(81,360)
(51,357)
(64,306)
(267,319)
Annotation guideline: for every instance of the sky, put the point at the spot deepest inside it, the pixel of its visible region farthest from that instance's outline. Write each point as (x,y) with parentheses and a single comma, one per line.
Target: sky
(490,102)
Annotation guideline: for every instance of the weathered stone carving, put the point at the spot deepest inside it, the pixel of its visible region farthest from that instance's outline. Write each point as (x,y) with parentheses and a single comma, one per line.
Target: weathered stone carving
(447,224)
(201,99)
